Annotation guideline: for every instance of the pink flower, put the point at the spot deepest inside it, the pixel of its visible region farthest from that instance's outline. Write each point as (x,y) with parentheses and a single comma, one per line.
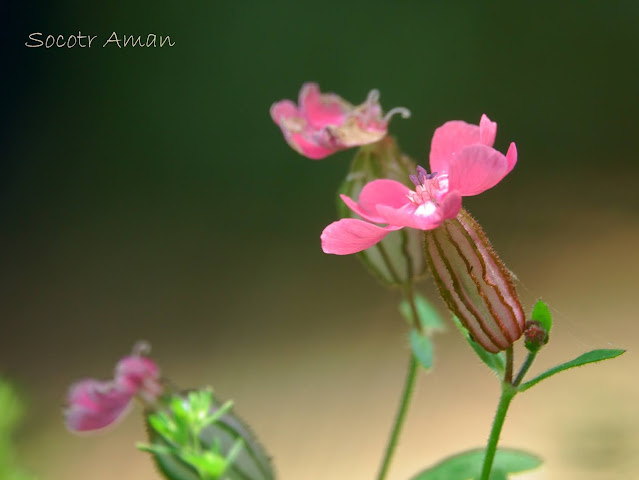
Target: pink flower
(324,123)
(463,163)
(94,404)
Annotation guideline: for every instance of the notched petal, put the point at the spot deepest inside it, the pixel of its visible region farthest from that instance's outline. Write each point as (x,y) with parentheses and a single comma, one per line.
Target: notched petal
(475,169)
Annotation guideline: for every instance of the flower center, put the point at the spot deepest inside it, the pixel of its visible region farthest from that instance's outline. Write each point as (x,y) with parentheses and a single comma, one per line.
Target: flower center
(429,187)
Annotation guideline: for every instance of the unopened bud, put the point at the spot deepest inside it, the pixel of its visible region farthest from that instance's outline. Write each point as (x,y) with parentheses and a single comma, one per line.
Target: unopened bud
(474,282)
(399,257)
(195,437)
(535,335)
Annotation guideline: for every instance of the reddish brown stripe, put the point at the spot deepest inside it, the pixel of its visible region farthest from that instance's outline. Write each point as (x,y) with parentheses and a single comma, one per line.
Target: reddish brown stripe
(446,294)
(471,226)
(499,322)
(462,295)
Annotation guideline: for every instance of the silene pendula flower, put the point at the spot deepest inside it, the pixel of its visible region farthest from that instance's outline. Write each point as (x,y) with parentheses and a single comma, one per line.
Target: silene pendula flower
(94,404)
(325,123)
(399,257)
(471,278)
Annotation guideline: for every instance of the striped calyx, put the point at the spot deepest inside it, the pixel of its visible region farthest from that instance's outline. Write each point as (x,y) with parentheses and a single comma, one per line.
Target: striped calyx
(474,282)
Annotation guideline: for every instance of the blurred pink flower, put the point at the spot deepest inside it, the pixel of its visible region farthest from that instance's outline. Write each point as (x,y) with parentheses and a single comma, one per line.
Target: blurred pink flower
(94,404)
(324,123)
(463,163)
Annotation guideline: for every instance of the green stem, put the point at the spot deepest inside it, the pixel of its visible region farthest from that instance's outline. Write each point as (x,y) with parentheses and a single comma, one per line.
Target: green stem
(409,384)
(508,374)
(507,394)
(524,368)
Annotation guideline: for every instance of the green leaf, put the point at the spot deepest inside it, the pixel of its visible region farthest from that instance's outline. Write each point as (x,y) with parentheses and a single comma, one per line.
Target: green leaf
(494,361)
(209,464)
(467,465)
(422,348)
(429,318)
(590,357)
(496,475)
(542,315)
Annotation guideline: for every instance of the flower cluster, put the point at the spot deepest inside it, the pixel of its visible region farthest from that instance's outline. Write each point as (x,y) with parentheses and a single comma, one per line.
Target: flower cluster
(94,404)
(472,280)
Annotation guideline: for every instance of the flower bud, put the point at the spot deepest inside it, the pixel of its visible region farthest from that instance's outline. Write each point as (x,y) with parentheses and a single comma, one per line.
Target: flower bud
(196,437)
(399,257)
(535,335)
(474,283)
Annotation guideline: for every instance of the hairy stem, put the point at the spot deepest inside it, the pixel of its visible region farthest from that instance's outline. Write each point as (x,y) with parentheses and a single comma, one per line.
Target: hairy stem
(507,394)
(524,368)
(508,374)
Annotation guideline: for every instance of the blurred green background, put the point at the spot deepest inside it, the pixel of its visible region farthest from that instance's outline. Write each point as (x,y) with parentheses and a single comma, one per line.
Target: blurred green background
(146,193)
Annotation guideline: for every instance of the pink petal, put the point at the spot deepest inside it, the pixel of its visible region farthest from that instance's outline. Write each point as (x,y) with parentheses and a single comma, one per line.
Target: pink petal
(136,371)
(308,147)
(423,217)
(511,157)
(365,214)
(487,131)
(321,110)
(475,169)
(383,192)
(94,404)
(448,139)
(283,110)
(450,205)
(350,235)
(375,193)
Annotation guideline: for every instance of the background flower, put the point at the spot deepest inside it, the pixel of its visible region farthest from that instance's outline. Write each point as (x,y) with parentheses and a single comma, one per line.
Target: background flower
(94,404)
(324,123)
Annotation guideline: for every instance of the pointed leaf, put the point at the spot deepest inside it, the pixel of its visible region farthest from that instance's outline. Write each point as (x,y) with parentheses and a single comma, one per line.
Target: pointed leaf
(590,357)
(494,361)
(541,314)
(467,465)
(422,349)
(429,317)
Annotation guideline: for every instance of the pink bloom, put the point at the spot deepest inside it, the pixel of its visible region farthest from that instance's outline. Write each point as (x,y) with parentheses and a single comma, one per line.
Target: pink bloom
(94,404)
(463,163)
(324,123)
(139,375)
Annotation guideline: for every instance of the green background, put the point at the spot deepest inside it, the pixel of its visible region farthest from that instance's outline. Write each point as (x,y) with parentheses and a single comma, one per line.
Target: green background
(146,193)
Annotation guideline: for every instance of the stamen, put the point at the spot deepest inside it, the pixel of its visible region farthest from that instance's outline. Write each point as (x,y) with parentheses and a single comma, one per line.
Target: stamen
(432,175)
(141,348)
(422,174)
(415,180)
(373,96)
(404,112)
